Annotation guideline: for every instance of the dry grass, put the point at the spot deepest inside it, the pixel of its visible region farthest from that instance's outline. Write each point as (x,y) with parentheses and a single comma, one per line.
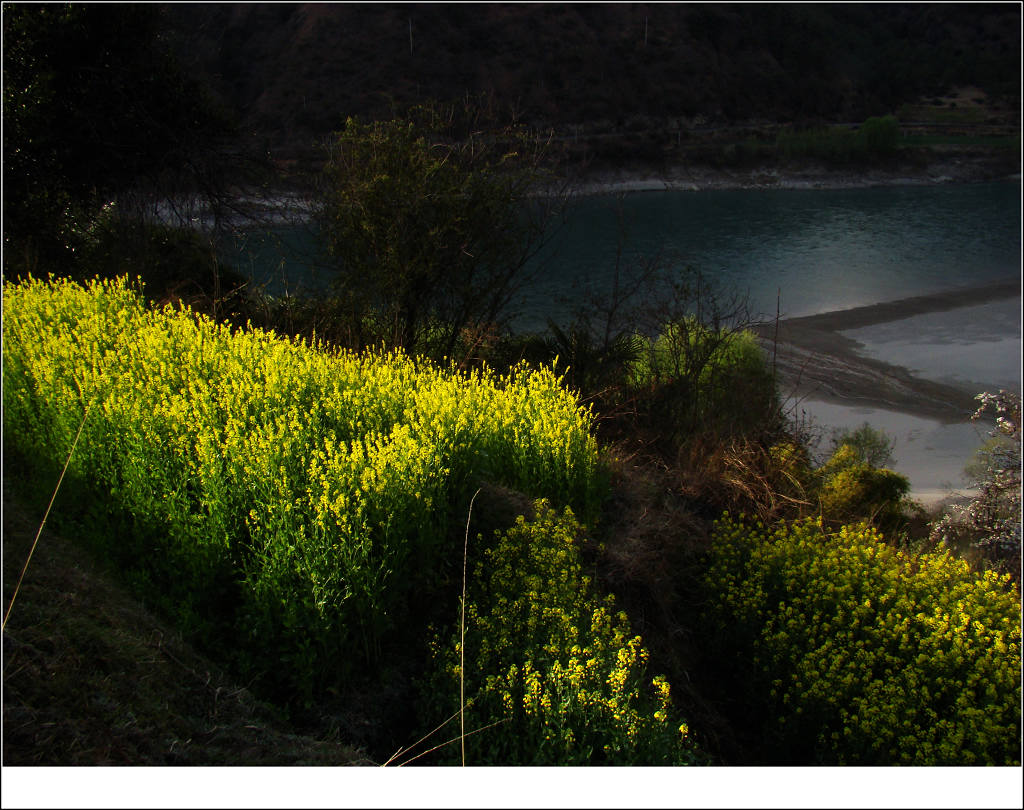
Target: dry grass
(92,678)
(652,537)
(752,480)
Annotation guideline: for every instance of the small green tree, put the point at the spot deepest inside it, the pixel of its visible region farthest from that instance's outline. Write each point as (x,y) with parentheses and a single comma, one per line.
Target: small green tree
(706,376)
(852,489)
(430,221)
(697,368)
(871,446)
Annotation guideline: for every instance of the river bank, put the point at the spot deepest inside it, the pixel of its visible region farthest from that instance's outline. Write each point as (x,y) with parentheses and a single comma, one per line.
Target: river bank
(960,166)
(813,356)
(292,197)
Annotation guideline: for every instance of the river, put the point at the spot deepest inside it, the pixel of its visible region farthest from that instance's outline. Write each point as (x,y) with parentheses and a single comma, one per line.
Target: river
(821,250)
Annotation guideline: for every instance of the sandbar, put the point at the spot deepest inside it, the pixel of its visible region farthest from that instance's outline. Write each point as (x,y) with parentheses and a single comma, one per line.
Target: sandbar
(812,358)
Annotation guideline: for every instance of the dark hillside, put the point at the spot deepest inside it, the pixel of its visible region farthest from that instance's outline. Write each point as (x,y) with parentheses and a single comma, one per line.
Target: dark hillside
(295,71)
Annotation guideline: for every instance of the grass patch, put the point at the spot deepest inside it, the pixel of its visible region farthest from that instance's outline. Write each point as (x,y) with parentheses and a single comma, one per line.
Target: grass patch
(989,141)
(92,677)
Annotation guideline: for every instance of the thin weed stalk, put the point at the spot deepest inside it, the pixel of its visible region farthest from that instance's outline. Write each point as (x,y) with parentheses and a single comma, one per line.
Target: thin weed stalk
(426,736)
(462,670)
(460,737)
(462,636)
(49,506)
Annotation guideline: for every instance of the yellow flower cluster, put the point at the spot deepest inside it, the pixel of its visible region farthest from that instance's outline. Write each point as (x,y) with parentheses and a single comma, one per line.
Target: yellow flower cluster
(320,480)
(866,654)
(557,665)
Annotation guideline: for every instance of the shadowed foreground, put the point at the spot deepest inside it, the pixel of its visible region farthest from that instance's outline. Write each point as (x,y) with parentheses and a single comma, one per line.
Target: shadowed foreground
(92,678)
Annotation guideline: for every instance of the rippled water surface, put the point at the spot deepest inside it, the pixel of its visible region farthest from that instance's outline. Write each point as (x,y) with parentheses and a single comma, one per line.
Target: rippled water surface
(816,250)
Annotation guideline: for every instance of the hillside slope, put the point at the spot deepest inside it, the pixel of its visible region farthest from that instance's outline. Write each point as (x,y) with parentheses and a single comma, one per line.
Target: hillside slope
(293,72)
(92,677)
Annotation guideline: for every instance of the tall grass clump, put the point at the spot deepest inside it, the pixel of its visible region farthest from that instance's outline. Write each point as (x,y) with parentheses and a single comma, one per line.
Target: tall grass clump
(295,497)
(553,673)
(845,650)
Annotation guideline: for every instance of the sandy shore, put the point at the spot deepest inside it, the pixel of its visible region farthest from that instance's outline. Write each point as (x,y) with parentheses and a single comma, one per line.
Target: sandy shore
(958,168)
(813,359)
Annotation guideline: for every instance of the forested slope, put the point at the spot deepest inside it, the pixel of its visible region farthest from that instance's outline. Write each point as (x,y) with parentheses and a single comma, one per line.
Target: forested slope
(293,71)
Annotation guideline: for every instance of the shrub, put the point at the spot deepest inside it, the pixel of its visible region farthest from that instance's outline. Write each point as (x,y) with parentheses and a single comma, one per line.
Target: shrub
(778,480)
(852,489)
(298,496)
(700,377)
(429,220)
(879,135)
(848,651)
(876,137)
(872,447)
(833,144)
(551,663)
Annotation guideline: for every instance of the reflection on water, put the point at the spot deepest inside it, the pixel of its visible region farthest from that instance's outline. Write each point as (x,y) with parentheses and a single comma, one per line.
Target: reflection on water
(974,348)
(820,250)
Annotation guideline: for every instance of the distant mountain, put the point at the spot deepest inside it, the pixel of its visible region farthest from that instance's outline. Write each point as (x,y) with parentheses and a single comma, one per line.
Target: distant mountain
(292,73)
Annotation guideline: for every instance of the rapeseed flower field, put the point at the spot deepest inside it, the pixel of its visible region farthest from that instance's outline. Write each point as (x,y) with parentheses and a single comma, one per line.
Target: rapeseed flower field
(855,652)
(297,493)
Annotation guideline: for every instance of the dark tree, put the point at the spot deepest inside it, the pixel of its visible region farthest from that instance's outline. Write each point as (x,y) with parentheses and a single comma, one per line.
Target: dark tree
(430,220)
(95,109)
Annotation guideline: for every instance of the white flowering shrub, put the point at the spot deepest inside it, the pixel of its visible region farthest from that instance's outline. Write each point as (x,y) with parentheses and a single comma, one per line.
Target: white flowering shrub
(991,521)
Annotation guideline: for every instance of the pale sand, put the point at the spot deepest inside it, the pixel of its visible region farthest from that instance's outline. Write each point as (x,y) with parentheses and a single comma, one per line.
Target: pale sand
(813,359)
(943,169)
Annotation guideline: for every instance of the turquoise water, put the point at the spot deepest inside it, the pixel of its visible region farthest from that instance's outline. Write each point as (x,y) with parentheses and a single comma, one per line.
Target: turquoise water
(814,250)
(817,251)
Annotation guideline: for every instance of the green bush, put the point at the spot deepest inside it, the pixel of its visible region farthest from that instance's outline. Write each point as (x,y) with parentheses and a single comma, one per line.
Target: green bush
(849,651)
(852,489)
(879,135)
(428,220)
(694,377)
(871,446)
(298,495)
(876,137)
(551,664)
(834,144)
(779,481)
